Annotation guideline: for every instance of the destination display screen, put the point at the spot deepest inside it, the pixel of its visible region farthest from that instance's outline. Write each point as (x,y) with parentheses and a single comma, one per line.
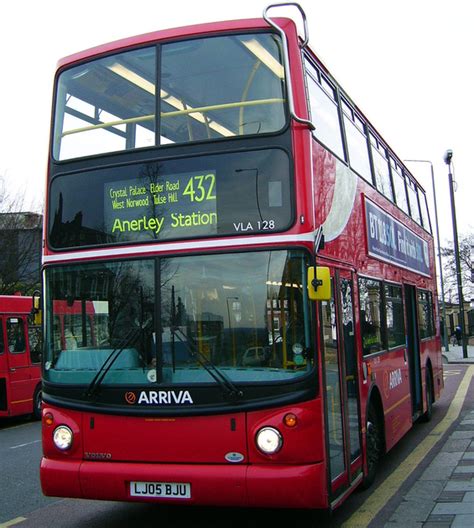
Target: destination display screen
(177,203)
(224,194)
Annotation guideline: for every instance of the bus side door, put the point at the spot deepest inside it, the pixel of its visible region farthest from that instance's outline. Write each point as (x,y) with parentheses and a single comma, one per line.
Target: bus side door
(19,372)
(343,423)
(3,369)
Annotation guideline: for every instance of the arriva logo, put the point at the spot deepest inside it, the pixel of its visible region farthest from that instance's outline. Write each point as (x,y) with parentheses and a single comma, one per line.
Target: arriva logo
(395,378)
(164,397)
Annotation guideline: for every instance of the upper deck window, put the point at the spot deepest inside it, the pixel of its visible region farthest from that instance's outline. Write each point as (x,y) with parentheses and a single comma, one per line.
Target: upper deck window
(209,88)
(424,210)
(381,169)
(399,186)
(324,110)
(413,201)
(356,142)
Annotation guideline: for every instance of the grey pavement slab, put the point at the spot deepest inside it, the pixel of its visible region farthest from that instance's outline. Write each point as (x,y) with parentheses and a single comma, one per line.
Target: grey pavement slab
(429,490)
(437,472)
(412,511)
(463,521)
(464,469)
(462,434)
(454,508)
(408,524)
(459,485)
(456,444)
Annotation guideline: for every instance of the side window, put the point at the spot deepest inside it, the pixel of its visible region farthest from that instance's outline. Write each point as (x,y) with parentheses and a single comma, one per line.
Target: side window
(424,210)
(16,335)
(324,110)
(413,201)
(2,345)
(381,168)
(356,143)
(394,316)
(399,186)
(425,314)
(370,300)
(36,342)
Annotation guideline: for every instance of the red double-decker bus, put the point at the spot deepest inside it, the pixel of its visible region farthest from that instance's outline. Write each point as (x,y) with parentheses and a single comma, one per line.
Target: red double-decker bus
(261,268)
(20,358)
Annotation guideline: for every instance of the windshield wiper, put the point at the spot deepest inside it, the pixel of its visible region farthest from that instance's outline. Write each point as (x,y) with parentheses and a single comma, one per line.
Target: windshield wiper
(110,360)
(228,387)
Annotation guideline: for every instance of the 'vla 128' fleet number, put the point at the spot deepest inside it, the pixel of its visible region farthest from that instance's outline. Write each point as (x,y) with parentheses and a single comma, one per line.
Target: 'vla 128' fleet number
(260,225)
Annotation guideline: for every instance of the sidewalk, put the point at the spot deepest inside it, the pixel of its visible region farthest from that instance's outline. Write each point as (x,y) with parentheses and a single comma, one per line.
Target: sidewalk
(454,355)
(443,495)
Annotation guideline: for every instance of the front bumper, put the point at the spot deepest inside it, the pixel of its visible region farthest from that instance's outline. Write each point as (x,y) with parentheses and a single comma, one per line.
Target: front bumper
(267,486)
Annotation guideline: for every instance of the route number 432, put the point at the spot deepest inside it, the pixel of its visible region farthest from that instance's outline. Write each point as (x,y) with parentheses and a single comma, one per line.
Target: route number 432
(200,188)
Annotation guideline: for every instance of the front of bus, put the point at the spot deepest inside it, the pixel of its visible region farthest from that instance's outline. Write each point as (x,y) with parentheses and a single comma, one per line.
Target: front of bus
(180,360)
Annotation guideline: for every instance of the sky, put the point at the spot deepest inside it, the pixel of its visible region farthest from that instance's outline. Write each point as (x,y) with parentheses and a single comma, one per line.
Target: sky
(407,64)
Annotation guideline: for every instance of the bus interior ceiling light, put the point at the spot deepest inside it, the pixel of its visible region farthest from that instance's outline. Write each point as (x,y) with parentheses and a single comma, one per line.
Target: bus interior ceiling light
(265,57)
(144,84)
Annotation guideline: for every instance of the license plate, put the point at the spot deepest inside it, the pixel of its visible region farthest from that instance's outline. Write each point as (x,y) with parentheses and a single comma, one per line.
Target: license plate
(170,490)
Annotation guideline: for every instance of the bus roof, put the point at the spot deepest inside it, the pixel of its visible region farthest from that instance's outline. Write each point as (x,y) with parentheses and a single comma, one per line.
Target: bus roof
(15,304)
(174,33)
(217,27)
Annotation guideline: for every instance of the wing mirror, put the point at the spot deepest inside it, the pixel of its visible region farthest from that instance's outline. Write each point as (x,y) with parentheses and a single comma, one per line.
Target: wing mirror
(319,283)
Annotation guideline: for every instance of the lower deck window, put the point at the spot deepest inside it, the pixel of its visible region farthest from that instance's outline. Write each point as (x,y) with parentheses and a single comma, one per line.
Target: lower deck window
(370,295)
(382,315)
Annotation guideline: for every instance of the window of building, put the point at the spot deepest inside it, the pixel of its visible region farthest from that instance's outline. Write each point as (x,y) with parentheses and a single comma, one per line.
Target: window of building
(324,110)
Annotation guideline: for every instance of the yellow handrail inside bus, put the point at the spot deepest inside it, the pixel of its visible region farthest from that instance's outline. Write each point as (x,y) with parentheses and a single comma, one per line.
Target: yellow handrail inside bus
(174,113)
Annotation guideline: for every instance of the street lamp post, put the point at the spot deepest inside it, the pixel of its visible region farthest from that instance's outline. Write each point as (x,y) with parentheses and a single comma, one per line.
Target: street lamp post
(443,305)
(447,159)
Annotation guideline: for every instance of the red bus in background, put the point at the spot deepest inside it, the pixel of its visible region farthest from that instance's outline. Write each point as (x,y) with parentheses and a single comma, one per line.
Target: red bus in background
(20,358)
(256,268)
(78,324)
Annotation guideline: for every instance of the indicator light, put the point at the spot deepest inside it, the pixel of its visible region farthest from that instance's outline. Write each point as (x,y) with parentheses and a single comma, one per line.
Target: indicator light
(290,420)
(48,419)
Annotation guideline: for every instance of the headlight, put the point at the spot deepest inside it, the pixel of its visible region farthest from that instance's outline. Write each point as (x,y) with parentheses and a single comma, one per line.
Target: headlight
(62,437)
(269,440)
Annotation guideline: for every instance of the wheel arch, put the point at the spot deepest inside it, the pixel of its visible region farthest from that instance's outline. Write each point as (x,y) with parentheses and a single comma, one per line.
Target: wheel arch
(374,398)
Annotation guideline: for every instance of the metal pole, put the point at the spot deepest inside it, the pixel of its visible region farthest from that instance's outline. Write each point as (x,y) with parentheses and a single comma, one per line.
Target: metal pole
(457,260)
(443,304)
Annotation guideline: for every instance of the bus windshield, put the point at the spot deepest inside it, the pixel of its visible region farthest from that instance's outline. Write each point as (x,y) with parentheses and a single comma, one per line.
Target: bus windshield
(209,88)
(246,314)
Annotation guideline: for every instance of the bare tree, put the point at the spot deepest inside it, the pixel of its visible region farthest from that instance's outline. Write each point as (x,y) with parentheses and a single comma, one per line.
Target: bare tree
(466,245)
(20,245)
